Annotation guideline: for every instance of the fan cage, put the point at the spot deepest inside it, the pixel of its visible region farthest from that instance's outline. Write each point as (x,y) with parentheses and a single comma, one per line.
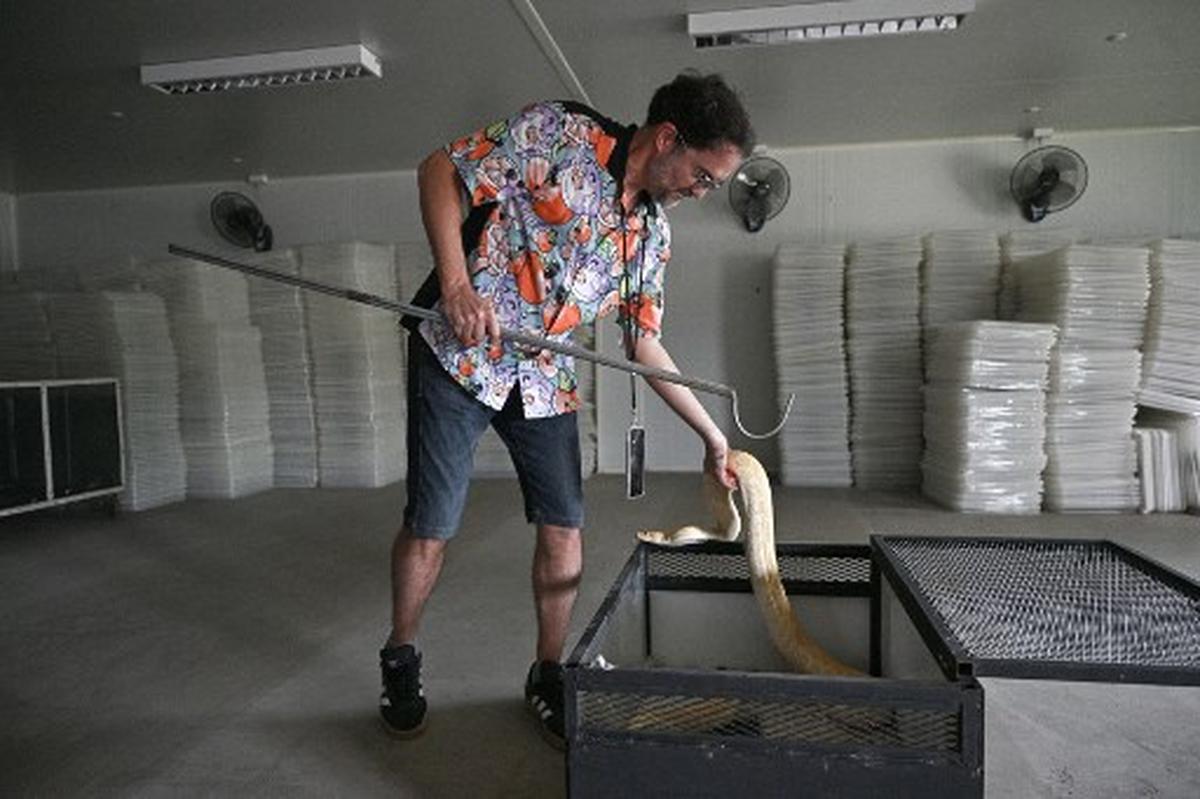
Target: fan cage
(1027,165)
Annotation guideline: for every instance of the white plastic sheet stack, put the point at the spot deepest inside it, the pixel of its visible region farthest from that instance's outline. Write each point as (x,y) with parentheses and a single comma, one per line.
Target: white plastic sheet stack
(126,335)
(884,348)
(277,310)
(985,415)
(223,410)
(61,279)
(1171,372)
(117,275)
(1018,245)
(810,359)
(358,384)
(1168,460)
(1097,298)
(960,276)
(26,346)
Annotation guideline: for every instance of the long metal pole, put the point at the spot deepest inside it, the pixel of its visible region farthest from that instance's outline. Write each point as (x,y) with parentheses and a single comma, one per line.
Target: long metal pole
(515,336)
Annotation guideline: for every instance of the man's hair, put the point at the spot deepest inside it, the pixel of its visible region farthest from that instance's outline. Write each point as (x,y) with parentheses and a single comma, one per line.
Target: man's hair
(705,111)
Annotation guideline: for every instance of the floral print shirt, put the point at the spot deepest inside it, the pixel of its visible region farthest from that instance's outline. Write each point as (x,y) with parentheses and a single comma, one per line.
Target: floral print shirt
(553,249)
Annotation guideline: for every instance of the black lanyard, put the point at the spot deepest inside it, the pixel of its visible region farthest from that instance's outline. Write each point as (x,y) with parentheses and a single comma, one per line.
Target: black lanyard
(632,307)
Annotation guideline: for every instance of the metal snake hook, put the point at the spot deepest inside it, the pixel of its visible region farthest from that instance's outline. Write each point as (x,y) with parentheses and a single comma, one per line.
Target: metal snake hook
(515,336)
(774,431)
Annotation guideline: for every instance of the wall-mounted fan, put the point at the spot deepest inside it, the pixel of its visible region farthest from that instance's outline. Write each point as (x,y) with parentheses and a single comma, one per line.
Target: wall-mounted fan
(758,191)
(238,220)
(1047,180)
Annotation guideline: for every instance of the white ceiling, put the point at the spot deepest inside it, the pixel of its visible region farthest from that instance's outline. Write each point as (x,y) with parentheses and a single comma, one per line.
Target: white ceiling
(452,65)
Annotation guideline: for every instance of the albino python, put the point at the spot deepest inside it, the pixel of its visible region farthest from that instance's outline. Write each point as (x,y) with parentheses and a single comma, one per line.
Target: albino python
(787,633)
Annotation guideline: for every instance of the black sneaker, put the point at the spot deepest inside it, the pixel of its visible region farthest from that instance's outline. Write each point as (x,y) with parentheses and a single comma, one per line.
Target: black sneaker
(544,698)
(402,703)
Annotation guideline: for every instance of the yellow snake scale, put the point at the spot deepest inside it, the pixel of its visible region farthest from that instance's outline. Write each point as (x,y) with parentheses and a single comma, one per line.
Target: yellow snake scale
(786,630)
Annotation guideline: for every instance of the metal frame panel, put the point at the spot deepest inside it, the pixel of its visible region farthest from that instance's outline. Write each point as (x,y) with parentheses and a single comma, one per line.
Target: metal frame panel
(52,500)
(958,662)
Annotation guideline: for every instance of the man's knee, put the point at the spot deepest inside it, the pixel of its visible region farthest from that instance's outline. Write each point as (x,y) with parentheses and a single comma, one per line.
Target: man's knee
(419,548)
(559,537)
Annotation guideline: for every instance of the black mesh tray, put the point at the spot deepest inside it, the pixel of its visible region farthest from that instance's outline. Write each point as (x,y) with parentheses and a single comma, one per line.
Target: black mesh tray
(1046,608)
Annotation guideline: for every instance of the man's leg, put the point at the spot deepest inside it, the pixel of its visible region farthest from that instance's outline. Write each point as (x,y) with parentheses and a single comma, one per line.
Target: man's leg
(557,568)
(546,454)
(416,564)
(444,425)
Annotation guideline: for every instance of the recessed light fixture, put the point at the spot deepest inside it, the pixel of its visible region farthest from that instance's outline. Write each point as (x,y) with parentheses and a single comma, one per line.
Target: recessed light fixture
(1033,109)
(289,68)
(836,19)
(116,114)
(237,159)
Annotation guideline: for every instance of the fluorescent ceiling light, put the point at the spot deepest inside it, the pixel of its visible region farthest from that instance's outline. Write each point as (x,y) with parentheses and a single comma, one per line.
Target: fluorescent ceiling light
(263,69)
(839,19)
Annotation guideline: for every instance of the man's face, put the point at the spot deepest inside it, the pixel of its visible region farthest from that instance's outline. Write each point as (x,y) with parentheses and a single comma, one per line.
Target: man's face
(680,171)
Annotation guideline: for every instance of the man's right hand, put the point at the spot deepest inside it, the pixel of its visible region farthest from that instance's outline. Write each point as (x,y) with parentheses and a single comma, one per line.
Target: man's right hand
(471,317)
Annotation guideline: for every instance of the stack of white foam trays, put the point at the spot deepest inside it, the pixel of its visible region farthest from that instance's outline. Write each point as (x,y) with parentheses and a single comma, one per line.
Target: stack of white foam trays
(1097,298)
(1168,460)
(277,310)
(223,410)
(960,275)
(1171,372)
(1018,245)
(985,415)
(810,360)
(26,346)
(125,335)
(357,372)
(884,349)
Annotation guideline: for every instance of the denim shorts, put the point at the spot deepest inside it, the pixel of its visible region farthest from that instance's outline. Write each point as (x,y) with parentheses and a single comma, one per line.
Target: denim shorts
(445,424)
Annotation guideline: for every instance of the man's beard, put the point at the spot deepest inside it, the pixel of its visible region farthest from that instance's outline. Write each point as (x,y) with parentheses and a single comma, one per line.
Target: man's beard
(658,172)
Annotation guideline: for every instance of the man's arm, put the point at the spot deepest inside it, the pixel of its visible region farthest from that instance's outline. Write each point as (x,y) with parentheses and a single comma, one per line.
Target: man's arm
(470,316)
(651,352)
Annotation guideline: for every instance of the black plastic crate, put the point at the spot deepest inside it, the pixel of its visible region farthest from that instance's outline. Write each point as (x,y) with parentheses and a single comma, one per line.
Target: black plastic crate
(674,689)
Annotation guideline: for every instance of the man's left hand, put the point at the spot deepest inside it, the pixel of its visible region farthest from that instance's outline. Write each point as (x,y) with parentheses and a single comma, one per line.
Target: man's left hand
(716,462)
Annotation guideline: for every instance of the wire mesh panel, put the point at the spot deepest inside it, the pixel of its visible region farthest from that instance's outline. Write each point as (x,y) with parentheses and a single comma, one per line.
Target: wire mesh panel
(1066,609)
(718,566)
(791,720)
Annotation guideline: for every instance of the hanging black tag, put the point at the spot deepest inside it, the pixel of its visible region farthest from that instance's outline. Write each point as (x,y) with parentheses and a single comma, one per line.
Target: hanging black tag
(635,462)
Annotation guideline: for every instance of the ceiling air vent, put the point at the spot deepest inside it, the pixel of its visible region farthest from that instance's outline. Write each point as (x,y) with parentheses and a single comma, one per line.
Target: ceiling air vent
(841,19)
(288,68)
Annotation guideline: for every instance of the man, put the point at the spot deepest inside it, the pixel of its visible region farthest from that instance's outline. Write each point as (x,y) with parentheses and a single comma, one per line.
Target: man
(540,223)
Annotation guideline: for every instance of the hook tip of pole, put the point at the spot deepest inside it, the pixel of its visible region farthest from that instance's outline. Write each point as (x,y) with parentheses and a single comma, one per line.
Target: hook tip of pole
(737,419)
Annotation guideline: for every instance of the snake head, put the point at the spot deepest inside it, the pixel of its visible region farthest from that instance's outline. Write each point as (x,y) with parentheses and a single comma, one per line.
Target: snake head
(653,537)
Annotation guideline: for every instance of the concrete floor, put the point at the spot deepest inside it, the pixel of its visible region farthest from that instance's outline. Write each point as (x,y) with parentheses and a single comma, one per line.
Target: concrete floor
(229,647)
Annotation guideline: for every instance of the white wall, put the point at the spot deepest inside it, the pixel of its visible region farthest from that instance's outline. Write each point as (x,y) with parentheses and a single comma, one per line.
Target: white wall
(718,291)
(8,232)
(718,321)
(79,229)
